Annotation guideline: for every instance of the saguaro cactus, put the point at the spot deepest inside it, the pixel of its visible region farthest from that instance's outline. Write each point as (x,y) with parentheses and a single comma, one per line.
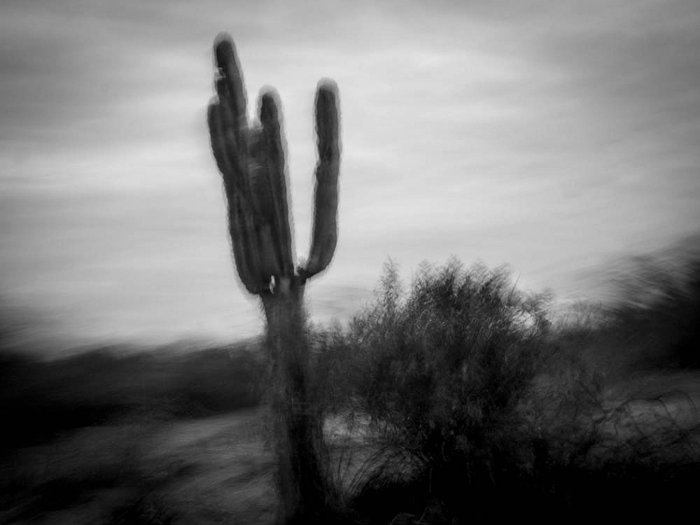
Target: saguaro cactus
(251,160)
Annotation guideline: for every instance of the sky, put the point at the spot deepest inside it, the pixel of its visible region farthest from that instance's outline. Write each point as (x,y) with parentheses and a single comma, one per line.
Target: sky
(552,136)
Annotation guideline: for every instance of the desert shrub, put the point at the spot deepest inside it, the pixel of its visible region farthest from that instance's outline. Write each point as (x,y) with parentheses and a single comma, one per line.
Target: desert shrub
(440,371)
(478,404)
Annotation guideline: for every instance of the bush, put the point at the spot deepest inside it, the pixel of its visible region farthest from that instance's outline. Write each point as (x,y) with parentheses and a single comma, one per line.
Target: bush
(440,372)
(477,404)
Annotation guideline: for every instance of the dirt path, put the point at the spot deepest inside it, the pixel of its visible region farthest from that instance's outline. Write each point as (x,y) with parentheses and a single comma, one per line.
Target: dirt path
(212,470)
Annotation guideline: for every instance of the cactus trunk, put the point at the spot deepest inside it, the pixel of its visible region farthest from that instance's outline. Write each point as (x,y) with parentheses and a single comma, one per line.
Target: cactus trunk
(297,427)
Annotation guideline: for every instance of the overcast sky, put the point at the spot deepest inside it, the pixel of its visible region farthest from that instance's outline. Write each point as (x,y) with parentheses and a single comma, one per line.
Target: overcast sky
(552,136)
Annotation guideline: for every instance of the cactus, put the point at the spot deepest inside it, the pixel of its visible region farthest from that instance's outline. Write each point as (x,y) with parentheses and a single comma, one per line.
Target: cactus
(252,162)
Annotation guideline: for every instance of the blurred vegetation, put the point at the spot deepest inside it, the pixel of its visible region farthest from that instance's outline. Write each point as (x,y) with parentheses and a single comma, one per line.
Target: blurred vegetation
(39,399)
(479,403)
(656,317)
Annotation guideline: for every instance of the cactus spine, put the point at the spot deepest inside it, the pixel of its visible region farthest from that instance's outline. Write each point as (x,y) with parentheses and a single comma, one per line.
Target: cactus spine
(251,160)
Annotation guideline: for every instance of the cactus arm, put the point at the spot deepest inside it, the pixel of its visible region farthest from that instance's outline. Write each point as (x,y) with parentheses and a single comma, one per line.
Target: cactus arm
(229,70)
(253,167)
(239,228)
(271,138)
(231,143)
(217,135)
(325,227)
(261,196)
(256,166)
(244,241)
